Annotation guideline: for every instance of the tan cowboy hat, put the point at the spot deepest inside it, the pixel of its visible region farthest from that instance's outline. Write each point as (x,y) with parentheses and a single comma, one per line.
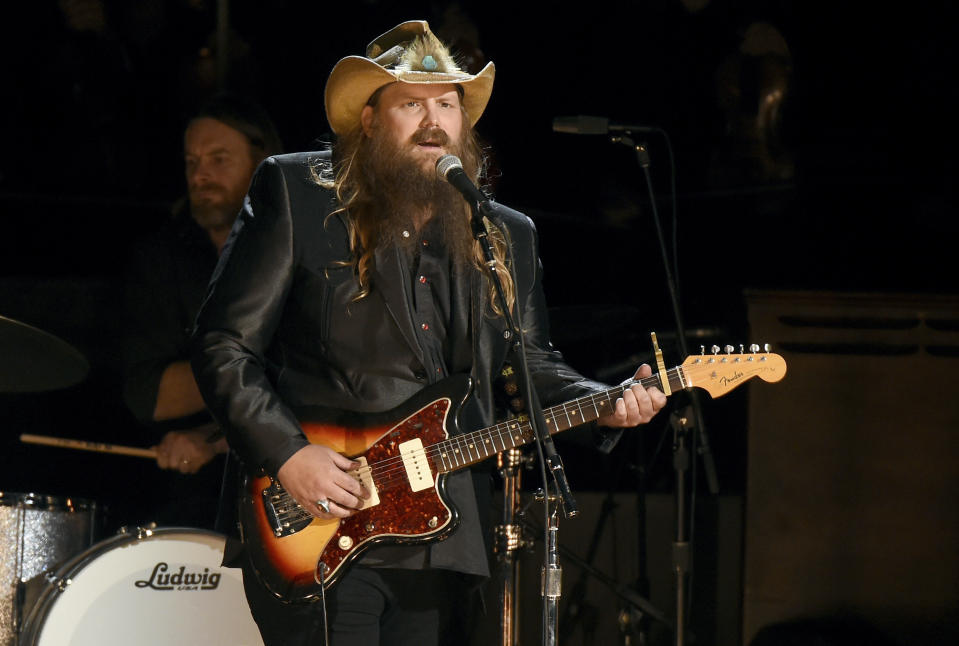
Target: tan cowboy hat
(409,53)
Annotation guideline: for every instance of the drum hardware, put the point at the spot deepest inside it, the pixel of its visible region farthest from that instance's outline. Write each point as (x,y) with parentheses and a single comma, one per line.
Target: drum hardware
(52,579)
(140,531)
(509,538)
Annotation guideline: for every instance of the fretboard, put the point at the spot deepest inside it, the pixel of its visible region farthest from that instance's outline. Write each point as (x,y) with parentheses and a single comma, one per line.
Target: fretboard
(464,450)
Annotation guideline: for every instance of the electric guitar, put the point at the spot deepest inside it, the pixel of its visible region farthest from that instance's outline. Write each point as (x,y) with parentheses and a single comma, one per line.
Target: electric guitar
(405,455)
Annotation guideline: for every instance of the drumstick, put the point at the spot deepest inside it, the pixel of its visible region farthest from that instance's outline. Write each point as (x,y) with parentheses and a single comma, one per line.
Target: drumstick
(88,446)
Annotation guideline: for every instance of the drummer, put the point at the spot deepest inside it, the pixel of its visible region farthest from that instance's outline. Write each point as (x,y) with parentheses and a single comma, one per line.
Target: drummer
(166,281)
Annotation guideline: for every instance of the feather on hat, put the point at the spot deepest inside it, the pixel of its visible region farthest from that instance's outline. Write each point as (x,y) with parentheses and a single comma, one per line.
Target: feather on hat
(408,53)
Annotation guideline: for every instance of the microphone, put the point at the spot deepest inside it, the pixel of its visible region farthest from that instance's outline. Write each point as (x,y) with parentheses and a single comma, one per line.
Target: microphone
(450,168)
(582,125)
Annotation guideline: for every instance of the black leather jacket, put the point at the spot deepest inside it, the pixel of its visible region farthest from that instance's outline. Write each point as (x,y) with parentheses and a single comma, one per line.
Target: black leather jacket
(280,330)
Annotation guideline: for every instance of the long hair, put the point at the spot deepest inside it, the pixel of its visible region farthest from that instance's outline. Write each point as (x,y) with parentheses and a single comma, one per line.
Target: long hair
(246,117)
(352,187)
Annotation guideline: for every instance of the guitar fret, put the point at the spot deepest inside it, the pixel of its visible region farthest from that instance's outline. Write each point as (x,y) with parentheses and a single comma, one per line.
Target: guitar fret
(456,450)
(606,401)
(478,446)
(486,447)
(515,438)
(502,441)
(442,456)
(443,448)
(467,444)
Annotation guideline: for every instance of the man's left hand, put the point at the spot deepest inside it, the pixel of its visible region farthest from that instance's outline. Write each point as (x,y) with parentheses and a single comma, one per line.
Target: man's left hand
(187,451)
(637,406)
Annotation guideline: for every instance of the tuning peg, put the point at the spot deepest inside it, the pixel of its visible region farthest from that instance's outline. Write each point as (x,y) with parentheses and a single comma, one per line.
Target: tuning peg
(766,347)
(729,349)
(702,350)
(754,348)
(741,349)
(715,349)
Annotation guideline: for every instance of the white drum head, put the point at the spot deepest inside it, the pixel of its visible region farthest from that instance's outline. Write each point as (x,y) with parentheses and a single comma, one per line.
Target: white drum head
(164,589)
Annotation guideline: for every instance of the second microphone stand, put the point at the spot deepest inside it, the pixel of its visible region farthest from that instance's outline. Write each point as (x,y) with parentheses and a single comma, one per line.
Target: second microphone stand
(681,554)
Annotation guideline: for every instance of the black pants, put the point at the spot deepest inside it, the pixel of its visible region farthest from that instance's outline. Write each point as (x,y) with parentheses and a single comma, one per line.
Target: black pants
(372,607)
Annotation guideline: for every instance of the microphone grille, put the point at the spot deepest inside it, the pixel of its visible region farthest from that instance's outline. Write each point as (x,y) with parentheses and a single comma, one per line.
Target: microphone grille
(446,163)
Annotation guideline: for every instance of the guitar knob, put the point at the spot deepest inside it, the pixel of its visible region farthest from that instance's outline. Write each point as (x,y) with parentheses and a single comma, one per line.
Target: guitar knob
(754,348)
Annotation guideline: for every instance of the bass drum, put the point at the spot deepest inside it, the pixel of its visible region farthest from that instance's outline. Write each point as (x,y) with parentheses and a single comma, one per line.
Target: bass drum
(155,587)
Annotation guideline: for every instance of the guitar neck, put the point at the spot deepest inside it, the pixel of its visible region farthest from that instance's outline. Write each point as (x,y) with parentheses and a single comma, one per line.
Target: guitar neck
(461,451)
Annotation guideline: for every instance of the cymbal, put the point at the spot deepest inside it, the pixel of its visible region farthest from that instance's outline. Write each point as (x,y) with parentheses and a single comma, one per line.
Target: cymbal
(32,360)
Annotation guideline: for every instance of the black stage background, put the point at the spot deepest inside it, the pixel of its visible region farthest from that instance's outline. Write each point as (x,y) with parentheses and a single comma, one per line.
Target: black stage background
(814,147)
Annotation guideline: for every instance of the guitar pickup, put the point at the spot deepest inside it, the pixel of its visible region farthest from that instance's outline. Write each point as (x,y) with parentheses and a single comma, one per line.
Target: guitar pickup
(417,466)
(283,514)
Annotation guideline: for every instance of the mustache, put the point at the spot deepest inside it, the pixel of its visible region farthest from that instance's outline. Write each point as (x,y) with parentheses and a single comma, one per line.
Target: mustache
(434,135)
(207,188)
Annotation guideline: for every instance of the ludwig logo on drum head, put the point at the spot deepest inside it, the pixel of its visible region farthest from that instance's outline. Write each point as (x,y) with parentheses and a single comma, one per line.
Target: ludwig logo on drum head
(162,579)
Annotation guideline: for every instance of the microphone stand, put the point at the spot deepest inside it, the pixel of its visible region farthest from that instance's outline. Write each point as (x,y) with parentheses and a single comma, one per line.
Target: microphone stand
(681,554)
(549,458)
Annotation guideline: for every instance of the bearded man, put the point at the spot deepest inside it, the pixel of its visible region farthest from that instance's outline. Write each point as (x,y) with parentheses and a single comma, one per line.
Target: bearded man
(166,279)
(351,282)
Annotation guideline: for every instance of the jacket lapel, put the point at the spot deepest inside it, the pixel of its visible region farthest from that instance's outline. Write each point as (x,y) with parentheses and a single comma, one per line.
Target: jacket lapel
(388,277)
(489,336)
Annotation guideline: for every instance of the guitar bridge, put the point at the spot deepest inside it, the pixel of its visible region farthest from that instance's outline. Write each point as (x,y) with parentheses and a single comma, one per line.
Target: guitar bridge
(285,515)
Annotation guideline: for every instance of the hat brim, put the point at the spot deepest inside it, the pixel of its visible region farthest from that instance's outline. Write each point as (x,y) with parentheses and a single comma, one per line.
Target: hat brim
(354,79)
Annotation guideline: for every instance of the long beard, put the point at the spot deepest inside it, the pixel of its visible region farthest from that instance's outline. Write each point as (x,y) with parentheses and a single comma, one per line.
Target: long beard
(401,190)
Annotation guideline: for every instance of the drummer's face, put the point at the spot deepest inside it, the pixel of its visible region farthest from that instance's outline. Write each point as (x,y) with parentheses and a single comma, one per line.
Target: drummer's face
(219,164)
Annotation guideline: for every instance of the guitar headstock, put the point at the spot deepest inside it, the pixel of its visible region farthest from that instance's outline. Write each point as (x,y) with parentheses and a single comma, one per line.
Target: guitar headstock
(718,373)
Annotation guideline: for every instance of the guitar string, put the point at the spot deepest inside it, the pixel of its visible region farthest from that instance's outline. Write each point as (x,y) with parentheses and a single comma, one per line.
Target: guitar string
(383,468)
(467,440)
(569,410)
(453,447)
(388,476)
(392,471)
(396,463)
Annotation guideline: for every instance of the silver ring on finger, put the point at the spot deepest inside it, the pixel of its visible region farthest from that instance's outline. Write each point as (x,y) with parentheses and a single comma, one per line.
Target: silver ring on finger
(324,505)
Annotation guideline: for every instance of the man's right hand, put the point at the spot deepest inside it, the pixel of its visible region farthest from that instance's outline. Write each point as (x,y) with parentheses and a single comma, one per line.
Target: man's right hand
(318,473)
